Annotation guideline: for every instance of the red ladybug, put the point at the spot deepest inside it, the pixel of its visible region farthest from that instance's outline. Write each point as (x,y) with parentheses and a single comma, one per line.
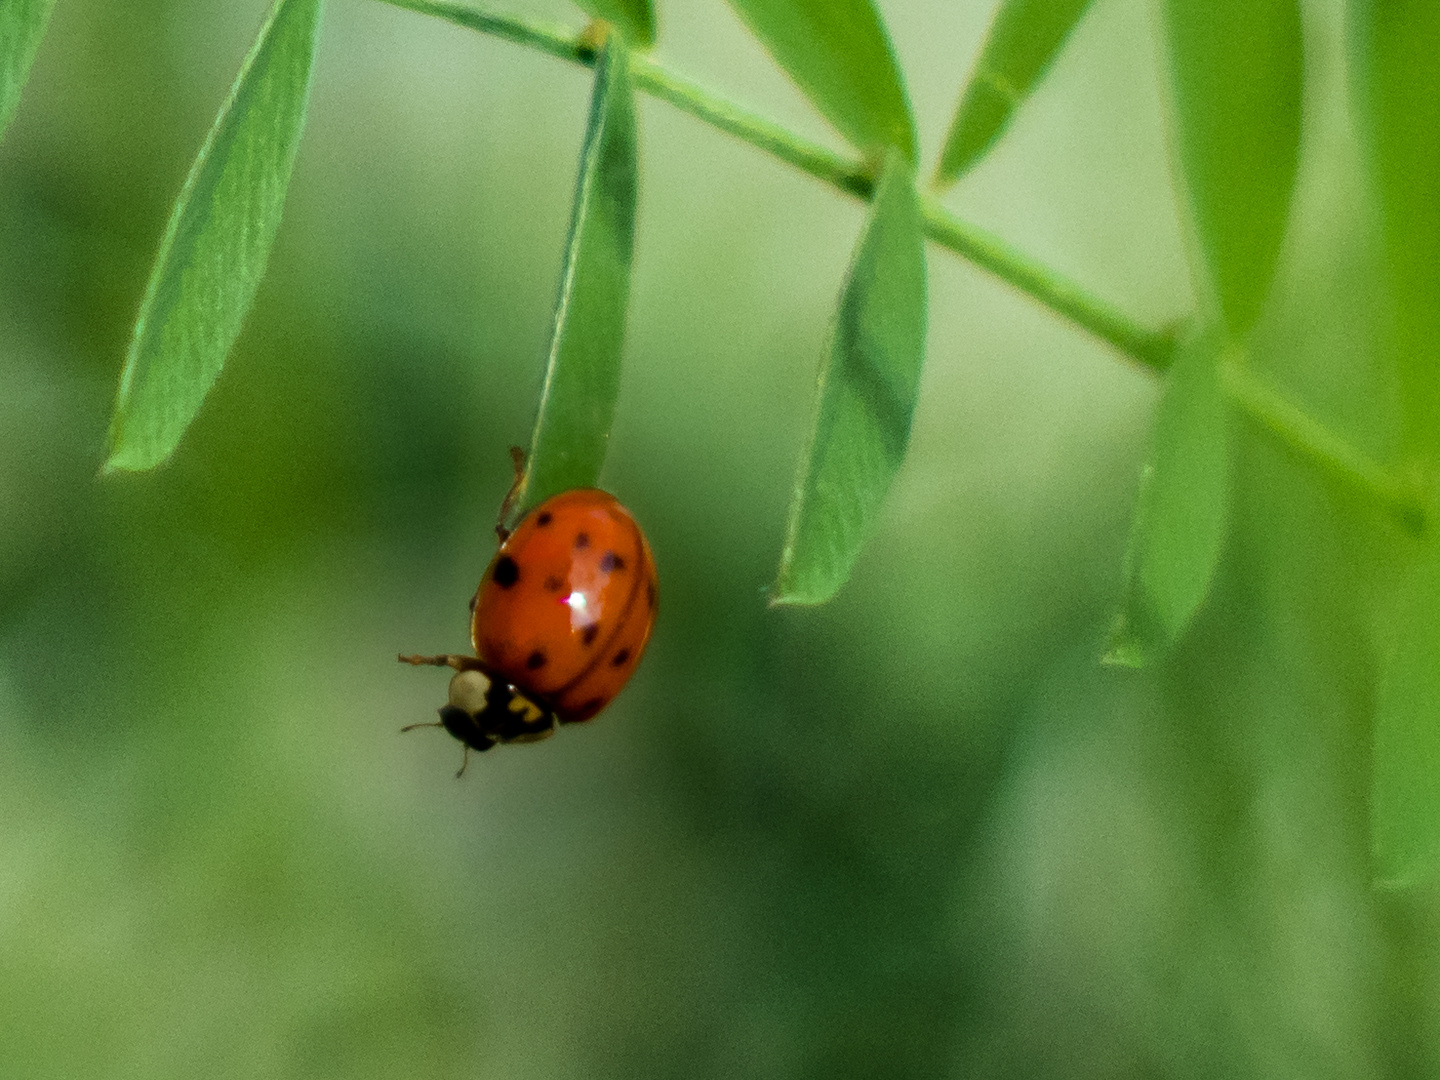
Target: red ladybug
(560,620)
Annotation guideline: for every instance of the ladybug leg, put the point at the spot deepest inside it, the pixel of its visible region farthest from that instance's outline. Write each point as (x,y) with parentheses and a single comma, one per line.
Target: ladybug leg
(517,458)
(459,663)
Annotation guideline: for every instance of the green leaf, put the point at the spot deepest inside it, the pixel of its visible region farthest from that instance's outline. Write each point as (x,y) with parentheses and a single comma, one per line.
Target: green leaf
(1235,68)
(582,379)
(216,244)
(1180,514)
(1024,38)
(839,55)
(635,17)
(866,398)
(1396,57)
(1405,801)
(22,25)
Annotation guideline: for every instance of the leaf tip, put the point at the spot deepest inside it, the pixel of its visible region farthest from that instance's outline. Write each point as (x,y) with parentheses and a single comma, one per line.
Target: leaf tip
(779,595)
(776,599)
(114,449)
(125,460)
(1393,871)
(1390,884)
(791,590)
(125,453)
(1125,648)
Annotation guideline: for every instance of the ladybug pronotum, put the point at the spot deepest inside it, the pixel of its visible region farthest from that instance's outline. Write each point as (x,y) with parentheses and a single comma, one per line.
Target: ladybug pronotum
(561,618)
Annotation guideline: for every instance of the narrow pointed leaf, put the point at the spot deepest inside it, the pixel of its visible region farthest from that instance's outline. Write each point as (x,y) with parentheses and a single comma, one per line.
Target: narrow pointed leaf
(1235,73)
(217,243)
(636,18)
(839,55)
(1396,60)
(1180,514)
(582,379)
(866,398)
(22,25)
(1405,802)
(1024,38)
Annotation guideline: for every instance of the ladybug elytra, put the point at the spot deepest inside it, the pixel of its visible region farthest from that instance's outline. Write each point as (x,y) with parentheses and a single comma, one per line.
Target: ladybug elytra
(561,618)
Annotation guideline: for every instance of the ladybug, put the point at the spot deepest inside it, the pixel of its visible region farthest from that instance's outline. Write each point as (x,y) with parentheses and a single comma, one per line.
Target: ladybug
(559,622)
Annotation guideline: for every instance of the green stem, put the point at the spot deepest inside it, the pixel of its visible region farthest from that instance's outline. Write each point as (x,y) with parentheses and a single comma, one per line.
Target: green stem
(1150,347)
(849,175)
(852,176)
(1299,430)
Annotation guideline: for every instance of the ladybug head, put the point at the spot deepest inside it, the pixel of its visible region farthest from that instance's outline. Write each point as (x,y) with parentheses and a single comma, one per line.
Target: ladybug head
(482,711)
(469,700)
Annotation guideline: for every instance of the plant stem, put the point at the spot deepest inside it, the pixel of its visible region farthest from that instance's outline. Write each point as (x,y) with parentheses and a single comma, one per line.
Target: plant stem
(856,177)
(1302,432)
(1151,348)
(849,175)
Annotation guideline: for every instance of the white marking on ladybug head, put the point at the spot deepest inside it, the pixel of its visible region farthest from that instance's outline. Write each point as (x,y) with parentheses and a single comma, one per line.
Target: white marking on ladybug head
(468,690)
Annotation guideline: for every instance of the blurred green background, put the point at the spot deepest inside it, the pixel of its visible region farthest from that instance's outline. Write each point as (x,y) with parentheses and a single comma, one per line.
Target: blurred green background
(918,832)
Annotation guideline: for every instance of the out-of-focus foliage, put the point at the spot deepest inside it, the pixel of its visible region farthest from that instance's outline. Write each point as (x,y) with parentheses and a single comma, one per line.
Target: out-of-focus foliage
(1407,737)
(866,398)
(1019,48)
(582,377)
(22,25)
(635,17)
(1396,63)
(1182,507)
(838,53)
(917,832)
(1396,48)
(1236,74)
(217,243)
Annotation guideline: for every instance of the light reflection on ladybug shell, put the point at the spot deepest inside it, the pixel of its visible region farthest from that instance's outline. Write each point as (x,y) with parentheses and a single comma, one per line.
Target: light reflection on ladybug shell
(565,609)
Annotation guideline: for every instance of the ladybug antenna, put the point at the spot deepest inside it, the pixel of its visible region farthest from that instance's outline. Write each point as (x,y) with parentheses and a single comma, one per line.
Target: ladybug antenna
(412,727)
(517,457)
(464,761)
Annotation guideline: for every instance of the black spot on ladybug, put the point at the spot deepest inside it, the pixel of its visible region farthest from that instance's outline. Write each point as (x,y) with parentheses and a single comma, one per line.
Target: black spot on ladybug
(535,660)
(620,658)
(506,572)
(588,634)
(553,584)
(544,519)
(582,541)
(610,562)
(591,707)
(650,593)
